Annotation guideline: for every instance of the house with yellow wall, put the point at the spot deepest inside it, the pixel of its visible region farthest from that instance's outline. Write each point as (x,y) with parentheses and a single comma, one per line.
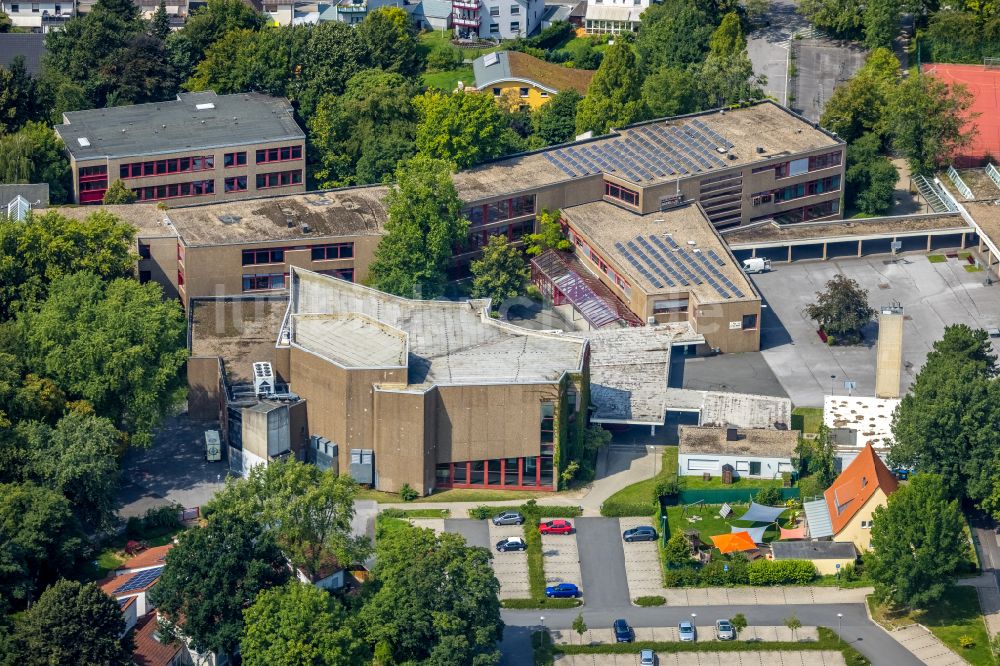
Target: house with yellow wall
(845,511)
(525,80)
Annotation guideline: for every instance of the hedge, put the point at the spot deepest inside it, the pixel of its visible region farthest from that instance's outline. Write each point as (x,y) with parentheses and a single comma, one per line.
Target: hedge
(654,600)
(758,573)
(618,509)
(484,512)
(543,602)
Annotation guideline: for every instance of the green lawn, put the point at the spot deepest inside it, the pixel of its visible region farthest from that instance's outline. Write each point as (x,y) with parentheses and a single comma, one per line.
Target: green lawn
(577,44)
(113,554)
(434,40)
(710,524)
(937,258)
(807,419)
(448,81)
(956,615)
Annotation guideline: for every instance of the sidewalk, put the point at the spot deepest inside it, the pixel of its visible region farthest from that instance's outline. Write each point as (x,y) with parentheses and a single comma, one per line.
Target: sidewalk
(926,647)
(763,596)
(989,599)
(669,635)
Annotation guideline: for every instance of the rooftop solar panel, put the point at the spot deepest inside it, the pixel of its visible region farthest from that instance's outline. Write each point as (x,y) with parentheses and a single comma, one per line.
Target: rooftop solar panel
(649,276)
(715,258)
(139,581)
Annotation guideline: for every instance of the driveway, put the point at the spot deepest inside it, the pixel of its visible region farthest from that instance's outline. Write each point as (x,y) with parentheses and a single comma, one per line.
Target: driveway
(511,568)
(476,532)
(602,562)
(768,45)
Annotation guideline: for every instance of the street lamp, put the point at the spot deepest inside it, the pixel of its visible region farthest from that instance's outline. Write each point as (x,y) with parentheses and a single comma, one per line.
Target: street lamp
(694,616)
(840,626)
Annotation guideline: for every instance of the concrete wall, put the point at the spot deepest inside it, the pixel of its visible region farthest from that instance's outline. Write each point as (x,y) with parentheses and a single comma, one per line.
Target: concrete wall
(162,263)
(405,439)
(853,532)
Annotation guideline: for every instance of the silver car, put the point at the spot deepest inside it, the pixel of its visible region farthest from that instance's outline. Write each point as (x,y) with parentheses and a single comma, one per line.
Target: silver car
(685,631)
(509,518)
(647,658)
(724,631)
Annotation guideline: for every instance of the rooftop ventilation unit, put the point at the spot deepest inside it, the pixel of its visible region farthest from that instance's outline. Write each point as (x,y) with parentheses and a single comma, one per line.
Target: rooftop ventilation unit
(83,141)
(263,378)
(204,107)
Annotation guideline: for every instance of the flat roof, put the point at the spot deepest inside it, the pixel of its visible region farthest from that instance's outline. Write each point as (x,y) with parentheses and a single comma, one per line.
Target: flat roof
(147,219)
(450,342)
(987,216)
(977,180)
(194,121)
(28,45)
(516,66)
(655,250)
(37,195)
(355,211)
(813,550)
(241,331)
(870,417)
(696,145)
(746,410)
(351,340)
(750,441)
(773,232)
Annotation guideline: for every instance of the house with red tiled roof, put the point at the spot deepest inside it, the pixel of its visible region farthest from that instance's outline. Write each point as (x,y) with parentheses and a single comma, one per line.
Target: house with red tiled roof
(147,559)
(845,511)
(155,649)
(130,583)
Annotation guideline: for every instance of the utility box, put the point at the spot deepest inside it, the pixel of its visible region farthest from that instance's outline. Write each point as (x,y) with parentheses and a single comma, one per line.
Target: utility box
(363,466)
(213,446)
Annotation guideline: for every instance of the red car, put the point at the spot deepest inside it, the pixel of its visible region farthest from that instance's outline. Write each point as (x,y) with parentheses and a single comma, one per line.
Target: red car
(556,527)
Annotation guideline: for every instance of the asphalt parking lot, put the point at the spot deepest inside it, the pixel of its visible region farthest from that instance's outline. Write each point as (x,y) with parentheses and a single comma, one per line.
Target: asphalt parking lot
(642,563)
(511,568)
(561,557)
(932,295)
(822,65)
(602,562)
(768,46)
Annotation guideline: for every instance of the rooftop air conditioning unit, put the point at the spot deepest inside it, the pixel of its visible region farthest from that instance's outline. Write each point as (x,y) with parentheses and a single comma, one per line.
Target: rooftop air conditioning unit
(263,378)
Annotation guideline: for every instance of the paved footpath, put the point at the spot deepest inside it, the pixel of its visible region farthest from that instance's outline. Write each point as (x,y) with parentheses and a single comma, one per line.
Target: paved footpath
(744,658)
(926,647)
(763,596)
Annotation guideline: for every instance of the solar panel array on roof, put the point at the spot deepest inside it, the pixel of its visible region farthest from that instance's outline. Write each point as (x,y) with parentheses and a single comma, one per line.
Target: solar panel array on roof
(662,260)
(647,152)
(139,581)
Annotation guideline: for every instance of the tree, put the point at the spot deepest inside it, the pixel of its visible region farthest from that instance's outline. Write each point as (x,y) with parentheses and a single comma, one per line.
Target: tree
(299,624)
(463,129)
(843,18)
(842,310)
(308,512)
(793,623)
(670,91)
(19,97)
(579,626)
(212,575)
(677,552)
(35,154)
(42,540)
(613,95)
(360,136)
(267,61)
(870,177)
(49,245)
(117,193)
(739,623)
(961,36)
(728,40)
(728,80)
(913,562)
(441,607)
(335,52)
(859,106)
(927,118)
(425,223)
(817,458)
(673,33)
(79,459)
(501,273)
(550,235)
(946,424)
(390,36)
(555,122)
(159,26)
(881,21)
(6,25)
(755,10)
(118,345)
(205,26)
(73,623)
(138,73)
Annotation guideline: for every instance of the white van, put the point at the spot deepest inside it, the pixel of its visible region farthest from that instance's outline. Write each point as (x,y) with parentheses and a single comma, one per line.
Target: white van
(756,265)
(213,446)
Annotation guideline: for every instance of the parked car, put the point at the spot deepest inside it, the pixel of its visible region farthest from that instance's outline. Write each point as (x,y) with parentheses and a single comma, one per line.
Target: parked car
(623,632)
(647,658)
(558,526)
(644,533)
(563,590)
(508,518)
(511,543)
(724,631)
(685,631)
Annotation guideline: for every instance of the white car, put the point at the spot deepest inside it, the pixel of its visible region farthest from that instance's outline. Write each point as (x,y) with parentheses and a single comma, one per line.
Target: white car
(647,658)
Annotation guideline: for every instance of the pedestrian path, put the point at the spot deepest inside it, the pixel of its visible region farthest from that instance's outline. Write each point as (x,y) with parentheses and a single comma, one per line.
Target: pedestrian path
(989,599)
(926,647)
(766,596)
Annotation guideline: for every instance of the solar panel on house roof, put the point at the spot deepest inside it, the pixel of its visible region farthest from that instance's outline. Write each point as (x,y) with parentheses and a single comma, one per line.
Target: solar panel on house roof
(139,581)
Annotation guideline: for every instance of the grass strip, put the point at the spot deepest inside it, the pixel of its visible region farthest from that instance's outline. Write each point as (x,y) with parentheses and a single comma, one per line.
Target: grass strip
(416,513)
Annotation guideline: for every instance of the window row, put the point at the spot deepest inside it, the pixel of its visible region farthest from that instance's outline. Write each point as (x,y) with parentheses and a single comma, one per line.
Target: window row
(276,255)
(811,188)
(234,159)
(197,188)
(268,282)
(802,165)
(514,232)
(594,257)
(283,154)
(279,179)
(806,213)
(504,209)
(164,167)
(534,472)
(93,172)
(615,191)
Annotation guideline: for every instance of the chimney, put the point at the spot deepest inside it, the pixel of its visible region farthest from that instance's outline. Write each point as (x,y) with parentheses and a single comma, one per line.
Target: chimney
(732,435)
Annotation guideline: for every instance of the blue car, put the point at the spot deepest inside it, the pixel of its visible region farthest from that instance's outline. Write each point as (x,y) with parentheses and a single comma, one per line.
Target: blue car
(565,590)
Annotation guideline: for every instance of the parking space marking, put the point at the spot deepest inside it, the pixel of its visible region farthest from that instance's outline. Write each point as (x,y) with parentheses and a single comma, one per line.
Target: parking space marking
(642,563)
(511,568)
(561,558)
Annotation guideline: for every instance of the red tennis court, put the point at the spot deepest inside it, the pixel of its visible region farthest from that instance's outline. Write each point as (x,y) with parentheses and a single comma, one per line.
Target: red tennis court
(984,84)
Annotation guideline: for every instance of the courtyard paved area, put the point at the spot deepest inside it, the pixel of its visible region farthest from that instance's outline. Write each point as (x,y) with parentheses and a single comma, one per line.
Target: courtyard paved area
(822,65)
(744,658)
(933,295)
(926,647)
(768,45)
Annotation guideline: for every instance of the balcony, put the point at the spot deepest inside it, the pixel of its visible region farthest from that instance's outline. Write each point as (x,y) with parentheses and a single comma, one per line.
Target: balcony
(465,5)
(466,22)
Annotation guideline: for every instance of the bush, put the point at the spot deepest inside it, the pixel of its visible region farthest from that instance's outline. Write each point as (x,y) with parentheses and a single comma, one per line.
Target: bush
(133,527)
(483,512)
(769,496)
(967,642)
(393,513)
(541,602)
(686,576)
(654,600)
(408,493)
(444,59)
(666,488)
(768,572)
(619,509)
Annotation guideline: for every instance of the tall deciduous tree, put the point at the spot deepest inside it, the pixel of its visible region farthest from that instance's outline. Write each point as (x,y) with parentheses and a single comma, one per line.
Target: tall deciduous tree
(870,177)
(843,18)
(118,345)
(212,575)
(881,21)
(670,91)
(439,608)
(859,106)
(390,36)
(613,95)
(817,458)
(555,122)
(299,624)
(674,34)
(501,273)
(19,97)
(927,119)
(842,310)
(334,53)
(425,223)
(34,154)
(946,424)
(463,129)
(73,623)
(914,560)
(205,26)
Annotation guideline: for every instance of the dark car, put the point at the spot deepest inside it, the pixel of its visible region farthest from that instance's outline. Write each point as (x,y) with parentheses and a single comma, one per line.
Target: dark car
(508,518)
(564,590)
(511,543)
(644,533)
(623,632)
(557,526)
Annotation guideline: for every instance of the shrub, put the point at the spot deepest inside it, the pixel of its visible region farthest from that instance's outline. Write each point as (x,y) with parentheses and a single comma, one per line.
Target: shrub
(666,488)
(681,577)
(769,496)
(967,642)
(408,493)
(767,572)
(620,509)
(166,516)
(133,527)
(443,59)
(482,512)
(654,600)
(393,513)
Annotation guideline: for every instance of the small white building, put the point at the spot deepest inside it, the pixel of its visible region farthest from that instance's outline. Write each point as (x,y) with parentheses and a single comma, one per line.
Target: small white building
(613,17)
(855,421)
(755,453)
(38,16)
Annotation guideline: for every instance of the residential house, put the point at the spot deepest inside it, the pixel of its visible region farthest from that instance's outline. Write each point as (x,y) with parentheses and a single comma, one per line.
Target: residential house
(130,584)
(613,17)
(38,17)
(754,453)
(496,19)
(430,14)
(524,80)
(154,649)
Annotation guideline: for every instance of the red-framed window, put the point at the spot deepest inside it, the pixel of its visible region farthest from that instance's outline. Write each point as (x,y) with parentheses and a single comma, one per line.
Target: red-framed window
(236,184)
(615,191)
(92,183)
(505,209)
(278,179)
(817,162)
(282,154)
(526,473)
(335,251)
(267,256)
(93,173)
(167,167)
(268,282)
(230,160)
(197,188)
